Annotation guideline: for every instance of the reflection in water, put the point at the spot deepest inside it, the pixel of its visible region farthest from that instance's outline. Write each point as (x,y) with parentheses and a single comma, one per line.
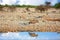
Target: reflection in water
(30,36)
(33,34)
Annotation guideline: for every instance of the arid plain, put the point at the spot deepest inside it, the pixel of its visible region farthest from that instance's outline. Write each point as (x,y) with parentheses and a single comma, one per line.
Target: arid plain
(21,20)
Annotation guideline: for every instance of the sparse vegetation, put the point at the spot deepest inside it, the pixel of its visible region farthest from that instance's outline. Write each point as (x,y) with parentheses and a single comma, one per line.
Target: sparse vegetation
(35,23)
(57,6)
(27,9)
(30,6)
(12,8)
(1,7)
(42,8)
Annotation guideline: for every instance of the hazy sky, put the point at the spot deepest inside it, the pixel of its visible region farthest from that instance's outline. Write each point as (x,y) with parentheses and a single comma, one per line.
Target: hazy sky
(26,36)
(27,2)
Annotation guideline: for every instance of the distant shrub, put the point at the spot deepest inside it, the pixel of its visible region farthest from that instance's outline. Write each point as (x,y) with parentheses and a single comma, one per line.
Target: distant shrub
(18,5)
(30,6)
(57,6)
(6,5)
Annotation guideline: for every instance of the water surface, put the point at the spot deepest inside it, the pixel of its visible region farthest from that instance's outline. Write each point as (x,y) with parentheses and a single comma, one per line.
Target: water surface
(26,36)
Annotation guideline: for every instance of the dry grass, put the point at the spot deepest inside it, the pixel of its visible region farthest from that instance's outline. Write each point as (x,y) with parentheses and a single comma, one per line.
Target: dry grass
(30,29)
(17,21)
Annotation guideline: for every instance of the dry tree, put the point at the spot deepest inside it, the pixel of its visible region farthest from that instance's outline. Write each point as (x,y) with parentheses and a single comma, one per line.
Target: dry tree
(48,4)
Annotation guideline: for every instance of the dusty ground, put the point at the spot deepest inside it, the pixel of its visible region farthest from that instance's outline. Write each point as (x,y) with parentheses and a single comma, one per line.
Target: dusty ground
(23,20)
